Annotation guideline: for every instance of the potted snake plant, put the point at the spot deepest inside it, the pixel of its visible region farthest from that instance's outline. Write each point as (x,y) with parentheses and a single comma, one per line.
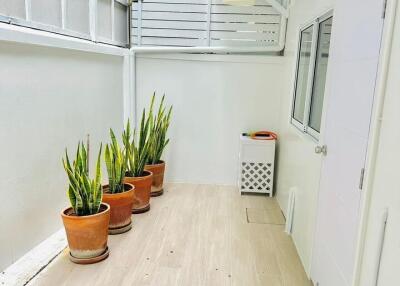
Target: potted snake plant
(116,193)
(136,151)
(86,220)
(158,142)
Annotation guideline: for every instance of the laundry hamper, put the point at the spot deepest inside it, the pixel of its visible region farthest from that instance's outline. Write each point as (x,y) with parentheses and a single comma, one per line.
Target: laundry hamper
(257,162)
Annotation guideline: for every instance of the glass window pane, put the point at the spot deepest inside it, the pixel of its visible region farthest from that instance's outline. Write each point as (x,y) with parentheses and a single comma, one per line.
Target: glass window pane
(47,12)
(302,73)
(104,18)
(77,16)
(321,64)
(14,8)
(120,22)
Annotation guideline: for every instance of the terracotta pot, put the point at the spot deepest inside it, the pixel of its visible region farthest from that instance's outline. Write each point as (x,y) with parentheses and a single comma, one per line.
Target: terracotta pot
(121,209)
(158,178)
(87,235)
(141,201)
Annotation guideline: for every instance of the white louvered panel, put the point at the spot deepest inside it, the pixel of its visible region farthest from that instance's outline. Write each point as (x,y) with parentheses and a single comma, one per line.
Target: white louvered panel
(165,16)
(180,25)
(170,23)
(240,43)
(246,27)
(245,18)
(175,8)
(250,26)
(177,1)
(168,33)
(246,36)
(256,10)
(176,42)
(192,23)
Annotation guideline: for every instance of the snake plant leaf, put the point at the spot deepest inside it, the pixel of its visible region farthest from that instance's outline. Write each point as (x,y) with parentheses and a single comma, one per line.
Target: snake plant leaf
(159,127)
(137,148)
(107,157)
(72,196)
(116,161)
(83,193)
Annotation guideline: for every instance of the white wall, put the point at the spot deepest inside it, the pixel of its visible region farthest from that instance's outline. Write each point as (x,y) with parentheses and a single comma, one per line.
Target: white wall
(215,98)
(298,165)
(385,186)
(49,99)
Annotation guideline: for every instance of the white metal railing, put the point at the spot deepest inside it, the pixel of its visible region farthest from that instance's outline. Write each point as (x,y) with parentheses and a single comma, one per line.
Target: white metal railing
(79,19)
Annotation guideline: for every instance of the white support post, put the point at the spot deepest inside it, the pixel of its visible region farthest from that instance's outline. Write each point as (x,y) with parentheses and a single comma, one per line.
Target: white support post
(28,10)
(93,18)
(139,27)
(129,23)
(63,13)
(209,6)
(112,20)
(129,87)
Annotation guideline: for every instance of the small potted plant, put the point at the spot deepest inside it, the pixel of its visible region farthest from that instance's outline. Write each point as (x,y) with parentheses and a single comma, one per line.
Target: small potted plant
(158,142)
(136,151)
(86,220)
(117,194)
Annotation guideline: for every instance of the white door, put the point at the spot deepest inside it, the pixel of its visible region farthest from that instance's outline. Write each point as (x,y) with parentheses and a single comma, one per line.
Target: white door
(353,63)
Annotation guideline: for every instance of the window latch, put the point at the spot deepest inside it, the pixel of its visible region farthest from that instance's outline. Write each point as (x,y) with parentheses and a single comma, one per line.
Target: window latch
(321,150)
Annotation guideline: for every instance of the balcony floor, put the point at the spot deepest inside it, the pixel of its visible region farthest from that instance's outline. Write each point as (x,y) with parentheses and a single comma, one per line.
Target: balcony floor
(193,235)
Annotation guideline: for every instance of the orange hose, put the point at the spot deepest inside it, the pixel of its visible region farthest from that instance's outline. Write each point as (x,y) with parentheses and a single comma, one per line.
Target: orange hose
(270,135)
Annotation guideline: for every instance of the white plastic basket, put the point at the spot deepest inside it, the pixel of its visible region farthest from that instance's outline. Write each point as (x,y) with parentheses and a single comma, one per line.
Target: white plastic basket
(256,165)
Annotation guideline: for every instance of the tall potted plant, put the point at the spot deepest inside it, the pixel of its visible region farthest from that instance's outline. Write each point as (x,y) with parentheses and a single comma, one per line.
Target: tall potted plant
(86,220)
(117,194)
(136,151)
(158,142)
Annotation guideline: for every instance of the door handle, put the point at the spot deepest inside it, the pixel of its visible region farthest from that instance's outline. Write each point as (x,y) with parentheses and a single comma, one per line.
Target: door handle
(321,150)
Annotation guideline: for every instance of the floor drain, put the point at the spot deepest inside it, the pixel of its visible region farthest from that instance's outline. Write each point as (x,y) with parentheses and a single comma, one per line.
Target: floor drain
(264,216)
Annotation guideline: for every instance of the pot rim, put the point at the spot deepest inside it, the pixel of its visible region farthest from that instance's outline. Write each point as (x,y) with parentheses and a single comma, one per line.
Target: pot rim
(149,173)
(132,189)
(85,216)
(161,162)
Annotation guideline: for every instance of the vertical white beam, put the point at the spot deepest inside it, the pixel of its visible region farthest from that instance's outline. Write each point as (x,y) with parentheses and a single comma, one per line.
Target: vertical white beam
(129,85)
(209,7)
(139,28)
(282,33)
(128,21)
(126,86)
(112,20)
(92,18)
(63,13)
(28,10)
(134,87)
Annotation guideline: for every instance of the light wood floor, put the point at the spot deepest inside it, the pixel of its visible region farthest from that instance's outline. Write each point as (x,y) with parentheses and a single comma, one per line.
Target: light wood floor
(194,235)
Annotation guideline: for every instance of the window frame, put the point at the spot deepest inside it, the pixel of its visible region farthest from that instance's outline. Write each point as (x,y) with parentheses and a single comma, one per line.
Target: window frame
(304,127)
(63,30)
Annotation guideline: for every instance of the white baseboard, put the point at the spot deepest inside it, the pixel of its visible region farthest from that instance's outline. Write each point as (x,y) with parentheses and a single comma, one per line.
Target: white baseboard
(29,265)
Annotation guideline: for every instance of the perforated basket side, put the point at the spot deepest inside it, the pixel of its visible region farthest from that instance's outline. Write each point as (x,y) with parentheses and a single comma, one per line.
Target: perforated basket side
(256,177)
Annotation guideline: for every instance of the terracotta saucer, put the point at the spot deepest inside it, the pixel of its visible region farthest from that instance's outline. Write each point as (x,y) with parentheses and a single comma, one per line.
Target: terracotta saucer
(89,260)
(156,194)
(120,229)
(142,210)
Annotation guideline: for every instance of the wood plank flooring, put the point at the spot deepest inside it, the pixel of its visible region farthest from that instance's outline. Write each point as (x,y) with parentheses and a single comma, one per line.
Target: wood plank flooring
(194,235)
